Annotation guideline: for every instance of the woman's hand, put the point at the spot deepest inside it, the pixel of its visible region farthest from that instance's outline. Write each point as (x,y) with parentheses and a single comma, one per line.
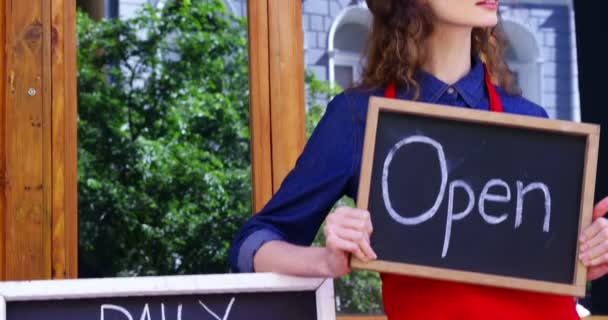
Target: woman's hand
(347,231)
(594,243)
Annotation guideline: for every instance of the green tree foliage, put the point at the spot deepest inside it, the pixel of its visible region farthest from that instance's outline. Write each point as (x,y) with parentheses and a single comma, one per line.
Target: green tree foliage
(163,140)
(318,93)
(164,172)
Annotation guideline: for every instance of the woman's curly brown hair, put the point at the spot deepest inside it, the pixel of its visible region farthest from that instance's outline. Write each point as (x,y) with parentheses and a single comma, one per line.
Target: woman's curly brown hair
(394,50)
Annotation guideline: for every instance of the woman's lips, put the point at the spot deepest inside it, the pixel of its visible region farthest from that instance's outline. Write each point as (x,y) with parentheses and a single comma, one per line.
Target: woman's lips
(488,4)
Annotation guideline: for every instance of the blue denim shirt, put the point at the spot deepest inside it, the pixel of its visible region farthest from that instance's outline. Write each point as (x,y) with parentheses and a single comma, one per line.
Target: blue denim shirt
(329,166)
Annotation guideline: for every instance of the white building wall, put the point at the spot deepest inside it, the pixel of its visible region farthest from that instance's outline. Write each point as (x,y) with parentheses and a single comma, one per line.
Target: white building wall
(128,8)
(550,21)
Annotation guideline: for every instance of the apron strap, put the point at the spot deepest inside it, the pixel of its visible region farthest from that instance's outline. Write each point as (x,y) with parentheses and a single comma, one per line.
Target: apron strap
(390,91)
(495,103)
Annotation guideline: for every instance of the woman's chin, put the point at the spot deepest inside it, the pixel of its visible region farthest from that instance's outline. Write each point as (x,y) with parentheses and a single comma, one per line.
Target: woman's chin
(477,22)
(486,22)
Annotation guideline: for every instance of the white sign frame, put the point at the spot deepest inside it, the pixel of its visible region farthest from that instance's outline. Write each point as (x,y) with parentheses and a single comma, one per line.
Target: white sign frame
(169,285)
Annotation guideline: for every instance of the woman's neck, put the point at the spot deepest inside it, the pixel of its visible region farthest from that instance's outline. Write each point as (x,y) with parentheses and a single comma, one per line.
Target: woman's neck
(448,53)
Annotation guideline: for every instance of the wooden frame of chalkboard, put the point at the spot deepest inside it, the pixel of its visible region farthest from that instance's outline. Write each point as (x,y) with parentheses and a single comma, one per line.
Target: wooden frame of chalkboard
(53,290)
(588,131)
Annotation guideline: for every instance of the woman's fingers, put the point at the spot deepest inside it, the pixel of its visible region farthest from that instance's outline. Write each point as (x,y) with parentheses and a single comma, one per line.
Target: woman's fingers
(596,255)
(360,238)
(597,239)
(336,243)
(597,272)
(352,218)
(355,224)
(349,229)
(594,245)
(353,241)
(590,232)
(600,209)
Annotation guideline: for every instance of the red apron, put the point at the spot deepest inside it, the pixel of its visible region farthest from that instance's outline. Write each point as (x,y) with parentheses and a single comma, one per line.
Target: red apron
(407,297)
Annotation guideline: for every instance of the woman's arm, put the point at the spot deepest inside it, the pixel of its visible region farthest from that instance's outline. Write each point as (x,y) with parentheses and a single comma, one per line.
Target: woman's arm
(283,257)
(347,231)
(323,173)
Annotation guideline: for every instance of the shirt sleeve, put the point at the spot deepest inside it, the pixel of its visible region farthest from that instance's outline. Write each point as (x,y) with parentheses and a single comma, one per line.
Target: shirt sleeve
(542,113)
(319,178)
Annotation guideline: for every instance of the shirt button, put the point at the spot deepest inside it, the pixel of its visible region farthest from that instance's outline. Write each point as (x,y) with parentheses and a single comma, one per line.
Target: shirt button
(451,90)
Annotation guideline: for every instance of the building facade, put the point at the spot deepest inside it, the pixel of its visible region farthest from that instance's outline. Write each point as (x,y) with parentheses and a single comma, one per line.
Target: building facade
(541,34)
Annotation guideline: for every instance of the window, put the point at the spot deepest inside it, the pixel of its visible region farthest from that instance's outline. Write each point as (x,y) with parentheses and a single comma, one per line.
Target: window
(523,58)
(543,53)
(346,44)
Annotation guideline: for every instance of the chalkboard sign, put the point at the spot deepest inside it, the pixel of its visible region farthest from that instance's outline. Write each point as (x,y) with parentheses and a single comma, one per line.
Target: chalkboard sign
(213,297)
(478,197)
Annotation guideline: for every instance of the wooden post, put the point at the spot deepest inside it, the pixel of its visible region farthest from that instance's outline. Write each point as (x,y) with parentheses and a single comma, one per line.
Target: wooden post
(64,142)
(3,80)
(38,139)
(259,106)
(276,80)
(27,236)
(288,116)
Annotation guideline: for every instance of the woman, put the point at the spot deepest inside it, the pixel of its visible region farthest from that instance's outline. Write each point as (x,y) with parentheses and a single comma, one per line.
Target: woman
(427,50)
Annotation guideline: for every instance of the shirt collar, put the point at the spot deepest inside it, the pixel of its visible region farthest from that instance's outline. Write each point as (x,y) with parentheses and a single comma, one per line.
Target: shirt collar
(470,87)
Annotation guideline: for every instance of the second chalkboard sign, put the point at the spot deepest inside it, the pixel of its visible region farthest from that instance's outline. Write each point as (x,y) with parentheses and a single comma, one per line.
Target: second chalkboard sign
(478,197)
(214,297)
